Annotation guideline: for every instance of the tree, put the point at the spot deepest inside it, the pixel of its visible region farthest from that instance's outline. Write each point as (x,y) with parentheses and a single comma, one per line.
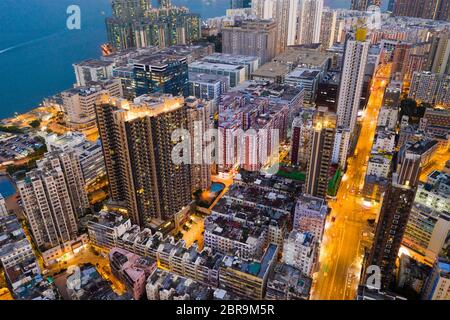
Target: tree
(11,129)
(422,108)
(408,108)
(35,124)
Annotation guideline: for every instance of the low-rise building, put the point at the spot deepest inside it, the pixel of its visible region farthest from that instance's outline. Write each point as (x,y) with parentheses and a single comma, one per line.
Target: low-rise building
(379,165)
(79,102)
(306,78)
(92,70)
(132,270)
(14,245)
(247,278)
(105,228)
(85,283)
(237,73)
(384,141)
(438,283)
(245,228)
(288,283)
(429,221)
(388,117)
(208,87)
(165,285)
(310,215)
(300,250)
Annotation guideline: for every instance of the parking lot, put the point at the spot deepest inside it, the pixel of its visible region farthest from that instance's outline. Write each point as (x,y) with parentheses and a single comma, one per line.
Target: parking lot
(17,146)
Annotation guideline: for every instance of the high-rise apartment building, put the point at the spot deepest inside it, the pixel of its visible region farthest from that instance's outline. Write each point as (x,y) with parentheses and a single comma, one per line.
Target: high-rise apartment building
(309,21)
(250,37)
(443,94)
(237,4)
(400,59)
(360,5)
(443,10)
(88,154)
(130,9)
(302,131)
(437,286)
(424,87)
(199,122)
(328,27)
(162,27)
(352,80)
(263,9)
(137,147)
(426,9)
(53,197)
(439,54)
(391,5)
(285,14)
(321,147)
(164,3)
(393,218)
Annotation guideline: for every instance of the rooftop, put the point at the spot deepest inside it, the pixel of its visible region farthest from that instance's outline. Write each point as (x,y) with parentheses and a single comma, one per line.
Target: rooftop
(262,197)
(12,237)
(422,146)
(271,70)
(90,286)
(304,74)
(236,230)
(312,203)
(93,63)
(158,60)
(253,267)
(215,66)
(179,286)
(207,78)
(109,219)
(274,91)
(288,279)
(230,58)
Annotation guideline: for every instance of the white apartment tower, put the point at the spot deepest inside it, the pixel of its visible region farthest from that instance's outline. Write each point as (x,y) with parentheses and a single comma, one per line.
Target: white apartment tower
(284,14)
(263,9)
(309,21)
(352,79)
(52,196)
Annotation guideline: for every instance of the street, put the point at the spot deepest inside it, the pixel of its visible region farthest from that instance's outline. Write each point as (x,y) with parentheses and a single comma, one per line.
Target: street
(343,242)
